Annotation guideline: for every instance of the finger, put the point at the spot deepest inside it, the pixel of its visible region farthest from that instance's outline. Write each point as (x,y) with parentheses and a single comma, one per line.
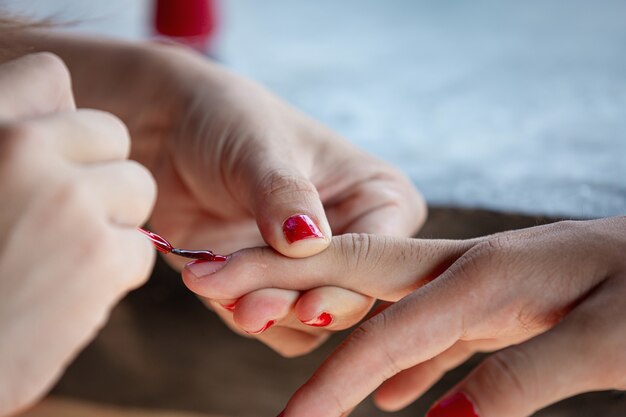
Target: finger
(258,311)
(34,85)
(288,211)
(226,314)
(387,205)
(126,190)
(290,343)
(405,387)
(558,364)
(84,136)
(136,257)
(361,263)
(285,340)
(332,308)
(417,328)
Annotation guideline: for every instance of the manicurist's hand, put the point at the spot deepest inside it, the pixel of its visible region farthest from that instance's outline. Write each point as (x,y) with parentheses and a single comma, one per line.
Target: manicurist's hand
(551,297)
(68,246)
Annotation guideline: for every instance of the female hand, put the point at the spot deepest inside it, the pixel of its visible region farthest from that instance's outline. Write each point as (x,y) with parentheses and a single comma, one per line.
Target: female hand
(233,163)
(68,245)
(551,296)
(236,168)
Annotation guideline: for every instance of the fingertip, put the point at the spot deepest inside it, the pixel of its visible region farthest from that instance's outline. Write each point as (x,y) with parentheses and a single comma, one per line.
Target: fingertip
(332,307)
(198,276)
(385,402)
(302,235)
(259,310)
(143,259)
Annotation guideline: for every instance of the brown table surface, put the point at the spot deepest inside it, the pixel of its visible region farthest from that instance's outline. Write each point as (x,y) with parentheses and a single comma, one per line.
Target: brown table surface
(162,349)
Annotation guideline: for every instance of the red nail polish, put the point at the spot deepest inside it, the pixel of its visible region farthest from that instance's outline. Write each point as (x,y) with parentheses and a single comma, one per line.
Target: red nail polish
(456,405)
(264,328)
(322,320)
(159,243)
(300,227)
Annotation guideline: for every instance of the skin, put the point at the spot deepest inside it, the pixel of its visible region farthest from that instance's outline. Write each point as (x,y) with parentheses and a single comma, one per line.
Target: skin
(71,202)
(549,300)
(232,162)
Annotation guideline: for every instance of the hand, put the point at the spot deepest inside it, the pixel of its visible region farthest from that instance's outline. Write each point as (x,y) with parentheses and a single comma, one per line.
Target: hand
(235,163)
(552,296)
(68,245)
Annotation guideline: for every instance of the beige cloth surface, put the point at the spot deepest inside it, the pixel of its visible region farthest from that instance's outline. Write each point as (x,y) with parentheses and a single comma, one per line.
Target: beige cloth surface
(59,407)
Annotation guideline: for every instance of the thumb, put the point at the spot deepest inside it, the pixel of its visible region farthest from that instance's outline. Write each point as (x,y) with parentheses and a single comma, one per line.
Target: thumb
(289,212)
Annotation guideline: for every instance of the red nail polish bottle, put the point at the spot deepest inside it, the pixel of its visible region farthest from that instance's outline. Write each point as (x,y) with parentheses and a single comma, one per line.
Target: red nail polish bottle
(190,22)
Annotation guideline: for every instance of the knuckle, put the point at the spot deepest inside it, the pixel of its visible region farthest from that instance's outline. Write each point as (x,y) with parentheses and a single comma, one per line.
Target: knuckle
(284,183)
(51,63)
(507,373)
(56,72)
(140,178)
(115,129)
(354,249)
(367,335)
(483,255)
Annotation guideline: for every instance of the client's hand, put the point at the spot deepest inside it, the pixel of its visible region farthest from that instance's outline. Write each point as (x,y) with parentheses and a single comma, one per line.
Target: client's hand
(238,167)
(552,296)
(68,245)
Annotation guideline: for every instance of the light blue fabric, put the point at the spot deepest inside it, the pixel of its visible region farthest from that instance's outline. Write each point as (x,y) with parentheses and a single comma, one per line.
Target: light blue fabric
(516,106)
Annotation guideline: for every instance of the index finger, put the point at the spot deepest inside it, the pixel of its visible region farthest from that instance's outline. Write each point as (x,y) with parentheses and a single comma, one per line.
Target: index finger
(382,267)
(418,328)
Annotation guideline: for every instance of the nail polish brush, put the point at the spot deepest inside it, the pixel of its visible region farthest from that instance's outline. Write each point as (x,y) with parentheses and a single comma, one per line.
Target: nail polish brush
(164,246)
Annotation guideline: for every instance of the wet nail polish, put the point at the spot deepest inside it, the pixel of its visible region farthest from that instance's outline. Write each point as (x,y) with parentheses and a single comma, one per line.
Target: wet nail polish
(202,267)
(264,328)
(456,405)
(159,243)
(322,320)
(300,227)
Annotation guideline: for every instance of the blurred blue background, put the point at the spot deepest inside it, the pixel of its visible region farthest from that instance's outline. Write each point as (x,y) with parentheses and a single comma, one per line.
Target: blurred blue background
(510,106)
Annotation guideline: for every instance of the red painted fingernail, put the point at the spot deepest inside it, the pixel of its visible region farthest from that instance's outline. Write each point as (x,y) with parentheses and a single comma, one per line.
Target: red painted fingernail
(322,320)
(202,267)
(300,227)
(267,326)
(456,405)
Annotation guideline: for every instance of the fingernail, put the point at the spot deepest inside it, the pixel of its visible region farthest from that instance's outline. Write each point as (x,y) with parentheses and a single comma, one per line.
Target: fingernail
(264,328)
(202,267)
(300,227)
(322,320)
(456,405)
